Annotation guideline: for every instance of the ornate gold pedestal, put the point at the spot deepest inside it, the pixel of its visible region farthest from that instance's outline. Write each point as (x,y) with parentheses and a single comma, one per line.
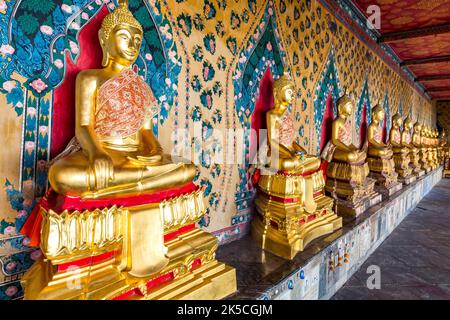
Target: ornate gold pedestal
(423,159)
(282,225)
(402,166)
(383,172)
(90,255)
(415,163)
(351,189)
(430,159)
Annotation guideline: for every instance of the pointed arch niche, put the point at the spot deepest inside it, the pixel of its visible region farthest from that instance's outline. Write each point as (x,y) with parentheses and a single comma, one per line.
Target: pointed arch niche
(387,120)
(363,114)
(261,61)
(328,91)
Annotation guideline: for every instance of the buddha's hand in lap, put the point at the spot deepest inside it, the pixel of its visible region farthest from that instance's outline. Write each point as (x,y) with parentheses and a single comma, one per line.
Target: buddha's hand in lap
(146,160)
(102,166)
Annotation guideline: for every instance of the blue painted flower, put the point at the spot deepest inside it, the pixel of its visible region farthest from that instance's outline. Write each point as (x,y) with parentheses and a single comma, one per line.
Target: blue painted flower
(218,88)
(195,83)
(198,22)
(217,116)
(185,23)
(208,186)
(252,6)
(210,43)
(208,71)
(231,44)
(206,98)
(209,10)
(196,114)
(197,53)
(221,63)
(235,21)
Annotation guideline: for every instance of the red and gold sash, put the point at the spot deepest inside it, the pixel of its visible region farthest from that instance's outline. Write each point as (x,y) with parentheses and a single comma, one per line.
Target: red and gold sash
(124,103)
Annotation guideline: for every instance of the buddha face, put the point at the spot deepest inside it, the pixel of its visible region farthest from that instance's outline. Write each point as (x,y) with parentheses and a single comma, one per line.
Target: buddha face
(346,109)
(123,44)
(378,115)
(397,123)
(417,128)
(408,124)
(287,95)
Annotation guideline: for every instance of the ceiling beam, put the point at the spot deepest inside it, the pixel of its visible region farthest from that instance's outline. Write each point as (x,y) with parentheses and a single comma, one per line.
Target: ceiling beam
(433,77)
(437,89)
(414,33)
(411,62)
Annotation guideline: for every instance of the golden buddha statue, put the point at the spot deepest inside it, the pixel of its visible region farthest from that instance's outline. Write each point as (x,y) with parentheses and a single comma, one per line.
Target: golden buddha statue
(400,150)
(291,206)
(442,140)
(418,142)
(435,133)
(125,214)
(380,156)
(348,171)
(428,144)
(407,142)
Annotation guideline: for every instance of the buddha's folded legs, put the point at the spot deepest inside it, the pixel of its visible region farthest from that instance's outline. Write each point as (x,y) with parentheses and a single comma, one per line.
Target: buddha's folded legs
(297,165)
(379,152)
(352,157)
(73,176)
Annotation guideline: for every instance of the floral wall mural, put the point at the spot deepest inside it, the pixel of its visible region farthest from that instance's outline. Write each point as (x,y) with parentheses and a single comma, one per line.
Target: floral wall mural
(204,61)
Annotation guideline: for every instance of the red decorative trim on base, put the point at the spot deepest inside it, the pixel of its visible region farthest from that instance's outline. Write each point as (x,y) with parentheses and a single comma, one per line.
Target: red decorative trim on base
(59,203)
(278,199)
(304,174)
(179,232)
(90,261)
(161,280)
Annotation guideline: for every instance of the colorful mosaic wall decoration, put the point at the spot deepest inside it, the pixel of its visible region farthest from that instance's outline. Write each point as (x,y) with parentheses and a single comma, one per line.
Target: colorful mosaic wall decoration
(204,61)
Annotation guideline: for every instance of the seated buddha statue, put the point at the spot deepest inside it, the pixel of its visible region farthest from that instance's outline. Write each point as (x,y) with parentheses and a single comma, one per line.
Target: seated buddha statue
(118,207)
(436,147)
(292,208)
(287,154)
(341,148)
(442,141)
(418,142)
(401,152)
(377,148)
(407,142)
(427,144)
(119,154)
(347,170)
(380,155)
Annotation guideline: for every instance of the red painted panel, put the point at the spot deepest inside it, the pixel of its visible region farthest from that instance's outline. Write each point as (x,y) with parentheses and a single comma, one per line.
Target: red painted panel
(363,127)
(431,68)
(63,127)
(423,47)
(327,122)
(436,83)
(408,14)
(263,104)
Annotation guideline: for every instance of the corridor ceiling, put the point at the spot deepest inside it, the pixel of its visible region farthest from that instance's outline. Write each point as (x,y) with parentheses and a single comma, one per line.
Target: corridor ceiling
(418,31)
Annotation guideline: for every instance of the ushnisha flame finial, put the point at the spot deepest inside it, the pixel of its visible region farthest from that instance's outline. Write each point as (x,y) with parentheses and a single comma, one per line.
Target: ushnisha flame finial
(120,15)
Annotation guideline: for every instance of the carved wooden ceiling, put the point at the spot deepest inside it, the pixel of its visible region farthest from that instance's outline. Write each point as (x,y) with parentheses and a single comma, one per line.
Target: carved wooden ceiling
(418,31)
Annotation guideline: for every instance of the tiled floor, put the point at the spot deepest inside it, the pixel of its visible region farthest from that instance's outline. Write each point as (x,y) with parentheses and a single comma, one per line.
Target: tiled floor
(414,260)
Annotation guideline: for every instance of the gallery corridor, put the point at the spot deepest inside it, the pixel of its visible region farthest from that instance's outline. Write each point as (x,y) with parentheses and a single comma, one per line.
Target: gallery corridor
(414,260)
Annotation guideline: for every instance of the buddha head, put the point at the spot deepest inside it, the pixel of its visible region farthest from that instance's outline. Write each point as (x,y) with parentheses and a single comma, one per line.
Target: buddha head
(120,36)
(418,128)
(408,124)
(378,114)
(397,121)
(423,131)
(283,91)
(345,105)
